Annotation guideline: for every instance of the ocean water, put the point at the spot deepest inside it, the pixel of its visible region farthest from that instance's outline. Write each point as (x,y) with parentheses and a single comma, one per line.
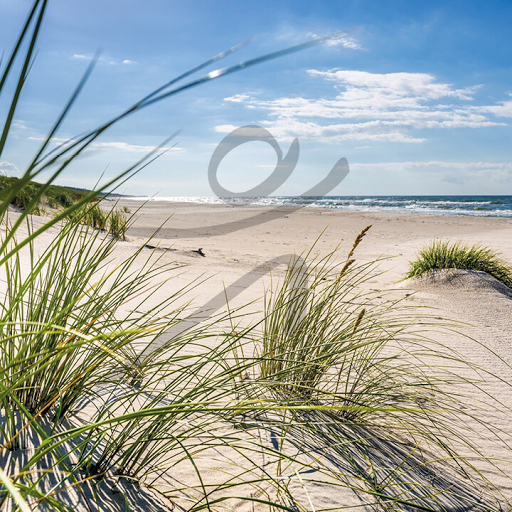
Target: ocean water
(481,206)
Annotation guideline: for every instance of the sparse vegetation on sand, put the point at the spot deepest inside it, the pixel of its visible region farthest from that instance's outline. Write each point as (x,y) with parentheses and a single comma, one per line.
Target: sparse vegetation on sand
(329,373)
(54,196)
(113,221)
(35,196)
(457,255)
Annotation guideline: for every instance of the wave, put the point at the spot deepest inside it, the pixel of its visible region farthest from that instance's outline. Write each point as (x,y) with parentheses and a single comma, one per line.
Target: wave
(481,206)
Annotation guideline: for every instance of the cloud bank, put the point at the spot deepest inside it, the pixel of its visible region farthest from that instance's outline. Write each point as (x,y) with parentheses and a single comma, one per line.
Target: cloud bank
(451,172)
(374,107)
(8,169)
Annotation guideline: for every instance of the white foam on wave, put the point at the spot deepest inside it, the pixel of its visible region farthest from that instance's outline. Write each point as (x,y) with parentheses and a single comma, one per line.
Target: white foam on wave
(183,199)
(362,204)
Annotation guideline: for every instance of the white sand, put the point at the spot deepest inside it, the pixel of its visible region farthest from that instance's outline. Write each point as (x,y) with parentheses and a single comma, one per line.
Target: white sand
(238,260)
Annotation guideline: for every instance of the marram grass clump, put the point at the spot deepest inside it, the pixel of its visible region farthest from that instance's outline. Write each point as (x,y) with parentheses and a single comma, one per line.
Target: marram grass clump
(457,255)
(114,221)
(52,195)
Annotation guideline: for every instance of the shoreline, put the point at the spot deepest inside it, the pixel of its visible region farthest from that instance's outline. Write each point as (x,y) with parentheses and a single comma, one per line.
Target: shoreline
(467,206)
(181,216)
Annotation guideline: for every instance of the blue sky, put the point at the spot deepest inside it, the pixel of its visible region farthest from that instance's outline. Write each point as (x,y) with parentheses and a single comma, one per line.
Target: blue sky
(417,96)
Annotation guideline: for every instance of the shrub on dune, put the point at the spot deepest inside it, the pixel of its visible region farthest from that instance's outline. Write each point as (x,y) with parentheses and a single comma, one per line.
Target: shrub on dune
(457,255)
(54,196)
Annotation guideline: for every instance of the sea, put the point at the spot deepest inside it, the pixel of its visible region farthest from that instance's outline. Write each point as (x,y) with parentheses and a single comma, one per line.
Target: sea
(478,206)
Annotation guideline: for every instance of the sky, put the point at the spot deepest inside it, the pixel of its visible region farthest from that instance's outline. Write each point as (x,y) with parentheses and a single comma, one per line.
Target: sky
(417,96)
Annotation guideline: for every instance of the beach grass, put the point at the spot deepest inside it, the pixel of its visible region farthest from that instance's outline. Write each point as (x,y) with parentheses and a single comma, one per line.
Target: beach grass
(359,365)
(457,255)
(113,221)
(54,196)
(300,340)
(327,377)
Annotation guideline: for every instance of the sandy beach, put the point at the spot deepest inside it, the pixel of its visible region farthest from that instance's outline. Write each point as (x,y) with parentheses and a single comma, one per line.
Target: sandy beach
(223,252)
(236,262)
(233,246)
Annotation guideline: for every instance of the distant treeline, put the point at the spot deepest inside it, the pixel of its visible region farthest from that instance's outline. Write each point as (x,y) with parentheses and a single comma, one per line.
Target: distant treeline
(55,196)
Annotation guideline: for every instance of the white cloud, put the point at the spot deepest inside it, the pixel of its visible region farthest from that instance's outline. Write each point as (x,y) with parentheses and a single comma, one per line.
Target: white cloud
(340,39)
(296,35)
(8,169)
(419,86)
(130,148)
(116,145)
(374,106)
(103,59)
(453,172)
(345,41)
(433,165)
(245,131)
(19,125)
(237,98)
(287,129)
(56,140)
(225,128)
(502,109)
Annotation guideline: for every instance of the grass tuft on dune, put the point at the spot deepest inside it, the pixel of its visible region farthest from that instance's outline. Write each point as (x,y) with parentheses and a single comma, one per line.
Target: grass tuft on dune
(114,221)
(441,255)
(54,196)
